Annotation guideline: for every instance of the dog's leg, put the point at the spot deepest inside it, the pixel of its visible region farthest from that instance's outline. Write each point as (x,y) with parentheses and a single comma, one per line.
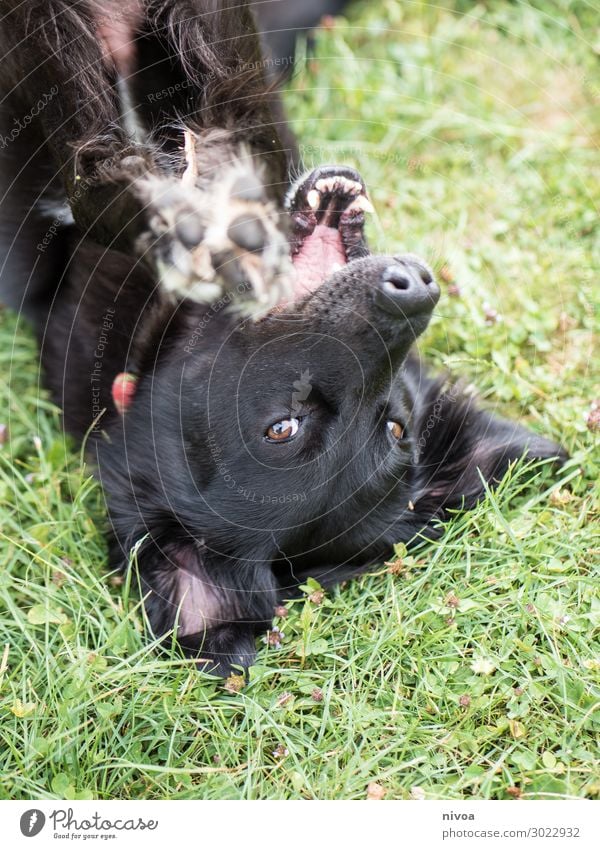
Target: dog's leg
(220,229)
(204,229)
(215,609)
(331,196)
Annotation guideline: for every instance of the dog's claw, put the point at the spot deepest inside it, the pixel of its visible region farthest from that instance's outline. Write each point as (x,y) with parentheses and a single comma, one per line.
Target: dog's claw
(339,183)
(363,204)
(313,198)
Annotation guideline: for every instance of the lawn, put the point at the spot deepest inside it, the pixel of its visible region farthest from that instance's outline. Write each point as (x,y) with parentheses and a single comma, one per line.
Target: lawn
(466,669)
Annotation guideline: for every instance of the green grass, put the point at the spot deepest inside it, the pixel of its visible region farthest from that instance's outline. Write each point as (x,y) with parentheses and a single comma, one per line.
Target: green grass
(466,670)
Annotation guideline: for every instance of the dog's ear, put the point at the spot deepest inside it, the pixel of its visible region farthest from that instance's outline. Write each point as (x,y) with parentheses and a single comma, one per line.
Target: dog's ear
(459,446)
(214,607)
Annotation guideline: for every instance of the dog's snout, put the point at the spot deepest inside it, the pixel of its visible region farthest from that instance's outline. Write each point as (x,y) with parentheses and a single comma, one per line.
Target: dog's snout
(406,287)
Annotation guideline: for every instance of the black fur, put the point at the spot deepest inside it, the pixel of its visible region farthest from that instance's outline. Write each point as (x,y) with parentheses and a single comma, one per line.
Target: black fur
(221,523)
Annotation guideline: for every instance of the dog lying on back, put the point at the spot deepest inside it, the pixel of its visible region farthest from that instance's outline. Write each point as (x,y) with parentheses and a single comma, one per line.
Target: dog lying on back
(236,357)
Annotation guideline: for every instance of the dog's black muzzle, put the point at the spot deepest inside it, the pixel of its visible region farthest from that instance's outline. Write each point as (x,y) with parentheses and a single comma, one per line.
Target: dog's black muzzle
(375,304)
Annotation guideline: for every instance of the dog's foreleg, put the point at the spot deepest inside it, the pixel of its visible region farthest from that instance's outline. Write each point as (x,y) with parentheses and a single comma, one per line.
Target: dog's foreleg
(214,607)
(219,232)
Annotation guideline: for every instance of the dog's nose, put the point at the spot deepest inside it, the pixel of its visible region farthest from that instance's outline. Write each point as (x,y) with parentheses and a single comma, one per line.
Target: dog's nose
(406,288)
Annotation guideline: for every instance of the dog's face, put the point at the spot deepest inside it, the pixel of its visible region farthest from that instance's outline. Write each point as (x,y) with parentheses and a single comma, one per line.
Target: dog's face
(299,427)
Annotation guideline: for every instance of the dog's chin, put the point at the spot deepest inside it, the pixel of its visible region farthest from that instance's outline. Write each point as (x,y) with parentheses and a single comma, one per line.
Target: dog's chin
(320,256)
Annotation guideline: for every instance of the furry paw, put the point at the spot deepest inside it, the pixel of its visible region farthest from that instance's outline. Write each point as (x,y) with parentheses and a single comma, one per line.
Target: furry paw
(224,650)
(330,196)
(216,238)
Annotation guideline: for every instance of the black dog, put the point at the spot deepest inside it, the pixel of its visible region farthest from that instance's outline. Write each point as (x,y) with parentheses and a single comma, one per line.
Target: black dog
(257,450)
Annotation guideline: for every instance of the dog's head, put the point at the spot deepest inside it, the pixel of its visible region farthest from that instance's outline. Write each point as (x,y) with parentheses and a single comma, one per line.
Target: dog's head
(298,430)
(305,443)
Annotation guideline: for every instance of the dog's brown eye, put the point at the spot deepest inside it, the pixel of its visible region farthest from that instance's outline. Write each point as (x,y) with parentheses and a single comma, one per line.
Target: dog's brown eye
(396,429)
(285,429)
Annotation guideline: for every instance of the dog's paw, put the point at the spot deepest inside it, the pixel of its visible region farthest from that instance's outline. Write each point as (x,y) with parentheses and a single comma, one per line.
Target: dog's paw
(217,238)
(224,650)
(331,196)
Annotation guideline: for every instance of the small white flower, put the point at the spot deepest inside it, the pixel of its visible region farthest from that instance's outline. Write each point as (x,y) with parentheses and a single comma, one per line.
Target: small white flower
(482,666)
